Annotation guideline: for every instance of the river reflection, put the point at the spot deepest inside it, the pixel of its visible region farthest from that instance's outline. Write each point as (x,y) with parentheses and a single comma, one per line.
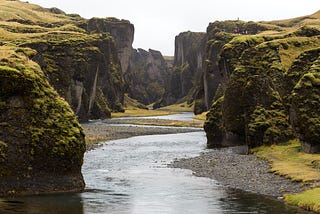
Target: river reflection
(57,203)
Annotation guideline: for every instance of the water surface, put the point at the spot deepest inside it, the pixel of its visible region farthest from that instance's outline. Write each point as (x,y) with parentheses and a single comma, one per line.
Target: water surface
(131,176)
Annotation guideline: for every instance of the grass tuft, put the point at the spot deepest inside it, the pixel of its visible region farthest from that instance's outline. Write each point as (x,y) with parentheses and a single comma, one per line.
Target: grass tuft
(309,200)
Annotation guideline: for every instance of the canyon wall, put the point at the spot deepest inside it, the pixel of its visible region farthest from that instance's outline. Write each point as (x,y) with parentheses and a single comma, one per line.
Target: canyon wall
(147,75)
(123,33)
(255,83)
(85,71)
(187,69)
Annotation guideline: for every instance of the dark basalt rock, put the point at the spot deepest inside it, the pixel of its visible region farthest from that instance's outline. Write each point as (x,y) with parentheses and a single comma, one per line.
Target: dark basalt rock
(305,99)
(123,33)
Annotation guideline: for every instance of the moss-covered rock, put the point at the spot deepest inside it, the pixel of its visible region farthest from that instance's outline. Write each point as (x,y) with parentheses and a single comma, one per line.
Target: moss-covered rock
(147,76)
(85,70)
(214,125)
(41,141)
(305,100)
(81,57)
(261,82)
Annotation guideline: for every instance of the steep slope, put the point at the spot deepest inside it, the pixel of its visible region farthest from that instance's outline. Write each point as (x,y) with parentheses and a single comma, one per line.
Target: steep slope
(123,33)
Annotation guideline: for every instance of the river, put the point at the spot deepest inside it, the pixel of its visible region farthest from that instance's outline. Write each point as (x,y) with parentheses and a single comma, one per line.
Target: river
(131,176)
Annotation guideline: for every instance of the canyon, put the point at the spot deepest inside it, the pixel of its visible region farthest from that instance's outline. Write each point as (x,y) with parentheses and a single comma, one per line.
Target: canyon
(259,82)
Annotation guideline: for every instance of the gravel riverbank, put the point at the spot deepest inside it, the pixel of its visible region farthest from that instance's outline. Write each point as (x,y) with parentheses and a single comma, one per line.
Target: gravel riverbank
(100,131)
(243,172)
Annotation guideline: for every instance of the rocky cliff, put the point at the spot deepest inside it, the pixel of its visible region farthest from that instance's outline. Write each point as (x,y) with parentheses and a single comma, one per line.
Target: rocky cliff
(82,65)
(256,82)
(187,68)
(48,57)
(144,72)
(85,70)
(123,33)
(216,70)
(147,76)
(41,141)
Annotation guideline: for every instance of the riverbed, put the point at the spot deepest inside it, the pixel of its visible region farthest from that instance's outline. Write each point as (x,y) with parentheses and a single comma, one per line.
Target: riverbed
(130,175)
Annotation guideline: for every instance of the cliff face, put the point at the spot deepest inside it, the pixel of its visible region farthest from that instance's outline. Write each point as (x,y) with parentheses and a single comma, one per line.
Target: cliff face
(144,72)
(187,68)
(216,70)
(41,142)
(85,71)
(82,66)
(305,98)
(256,84)
(147,75)
(45,52)
(123,33)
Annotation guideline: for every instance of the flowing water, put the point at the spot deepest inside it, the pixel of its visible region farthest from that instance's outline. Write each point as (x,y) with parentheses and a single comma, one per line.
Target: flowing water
(131,176)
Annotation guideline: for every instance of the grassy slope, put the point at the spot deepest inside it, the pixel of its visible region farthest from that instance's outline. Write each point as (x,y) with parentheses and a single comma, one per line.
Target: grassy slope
(20,22)
(24,11)
(287,160)
(179,107)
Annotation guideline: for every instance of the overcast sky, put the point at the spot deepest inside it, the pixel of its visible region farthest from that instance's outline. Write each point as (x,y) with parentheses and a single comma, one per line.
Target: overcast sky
(158,22)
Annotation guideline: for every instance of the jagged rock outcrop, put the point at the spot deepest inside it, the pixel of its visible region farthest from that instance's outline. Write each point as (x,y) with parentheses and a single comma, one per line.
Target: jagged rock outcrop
(123,33)
(187,68)
(256,85)
(41,141)
(147,75)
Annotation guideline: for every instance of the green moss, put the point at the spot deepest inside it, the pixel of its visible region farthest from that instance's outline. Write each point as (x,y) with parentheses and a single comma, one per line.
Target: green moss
(309,200)
(268,127)
(214,124)
(47,127)
(183,68)
(305,97)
